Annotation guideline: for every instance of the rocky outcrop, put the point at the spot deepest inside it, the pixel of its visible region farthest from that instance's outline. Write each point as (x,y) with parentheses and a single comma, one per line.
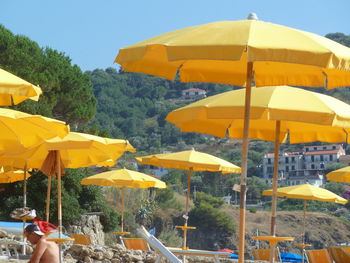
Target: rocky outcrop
(89,225)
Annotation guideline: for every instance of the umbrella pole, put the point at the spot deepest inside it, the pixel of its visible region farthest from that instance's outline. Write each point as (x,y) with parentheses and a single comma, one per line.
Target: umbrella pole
(24,204)
(122,218)
(187,205)
(243,186)
(59,205)
(274,187)
(48,198)
(304,220)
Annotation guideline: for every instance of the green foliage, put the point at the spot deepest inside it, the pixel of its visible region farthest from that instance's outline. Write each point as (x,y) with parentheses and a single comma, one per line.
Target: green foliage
(67,92)
(340,38)
(337,188)
(213,224)
(213,201)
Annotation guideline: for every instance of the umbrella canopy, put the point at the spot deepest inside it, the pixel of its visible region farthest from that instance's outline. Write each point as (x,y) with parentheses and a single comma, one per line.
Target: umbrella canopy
(192,161)
(11,176)
(123,178)
(307,192)
(223,57)
(301,112)
(229,52)
(341,175)
(21,130)
(14,90)
(76,150)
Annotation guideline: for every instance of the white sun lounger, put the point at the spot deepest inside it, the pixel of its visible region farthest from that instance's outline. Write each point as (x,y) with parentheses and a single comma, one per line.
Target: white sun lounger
(158,246)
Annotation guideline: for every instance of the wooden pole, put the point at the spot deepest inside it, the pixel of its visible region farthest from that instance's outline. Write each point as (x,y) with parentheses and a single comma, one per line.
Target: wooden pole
(275,179)
(59,194)
(48,194)
(304,221)
(59,203)
(245,142)
(274,187)
(24,204)
(122,218)
(187,205)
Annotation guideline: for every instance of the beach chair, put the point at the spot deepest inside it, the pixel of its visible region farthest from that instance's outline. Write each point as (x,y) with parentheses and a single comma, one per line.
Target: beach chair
(216,255)
(8,248)
(339,254)
(264,254)
(158,247)
(135,243)
(81,239)
(318,256)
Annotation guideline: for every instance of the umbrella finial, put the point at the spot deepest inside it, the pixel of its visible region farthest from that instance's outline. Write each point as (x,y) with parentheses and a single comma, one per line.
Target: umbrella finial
(252,16)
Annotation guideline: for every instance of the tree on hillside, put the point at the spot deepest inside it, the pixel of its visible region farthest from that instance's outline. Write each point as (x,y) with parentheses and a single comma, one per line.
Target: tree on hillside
(67,91)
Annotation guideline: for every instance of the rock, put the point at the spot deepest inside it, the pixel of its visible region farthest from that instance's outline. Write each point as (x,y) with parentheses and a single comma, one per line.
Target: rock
(3,234)
(108,254)
(98,255)
(135,257)
(88,259)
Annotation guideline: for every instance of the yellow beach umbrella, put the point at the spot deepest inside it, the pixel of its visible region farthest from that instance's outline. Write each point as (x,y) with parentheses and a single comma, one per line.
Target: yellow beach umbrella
(14,90)
(11,176)
(73,151)
(123,178)
(341,175)
(190,160)
(229,52)
(307,192)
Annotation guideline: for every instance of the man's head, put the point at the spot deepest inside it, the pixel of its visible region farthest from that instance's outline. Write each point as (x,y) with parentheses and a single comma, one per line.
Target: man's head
(33,233)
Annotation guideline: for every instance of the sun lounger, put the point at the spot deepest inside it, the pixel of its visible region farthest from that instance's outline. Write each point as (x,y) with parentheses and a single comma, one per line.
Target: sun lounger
(318,256)
(202,253)
(135,243)
(81,239)
(158,246)
(339,254)
(264,254)
(8,245)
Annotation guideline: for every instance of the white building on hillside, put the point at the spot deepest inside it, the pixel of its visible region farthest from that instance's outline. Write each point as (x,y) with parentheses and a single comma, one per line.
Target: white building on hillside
(193,93)
(303,167)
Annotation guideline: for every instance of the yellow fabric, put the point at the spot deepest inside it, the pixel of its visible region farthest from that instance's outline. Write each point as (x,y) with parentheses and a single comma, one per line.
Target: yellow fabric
(218,52)
(135,243)
(264,254)
(76,150)
(21,130)
(341,175)
(81,239)
(197,161)
(124,178)
(7,177)
(14,90)
(306,116)
(339,254)
(318,256)
(308,192)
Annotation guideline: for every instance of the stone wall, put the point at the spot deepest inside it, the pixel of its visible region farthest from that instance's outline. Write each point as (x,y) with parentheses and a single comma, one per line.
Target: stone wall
(89,225)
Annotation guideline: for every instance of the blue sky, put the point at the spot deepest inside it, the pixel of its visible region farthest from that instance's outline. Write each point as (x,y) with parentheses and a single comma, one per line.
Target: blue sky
(90,32)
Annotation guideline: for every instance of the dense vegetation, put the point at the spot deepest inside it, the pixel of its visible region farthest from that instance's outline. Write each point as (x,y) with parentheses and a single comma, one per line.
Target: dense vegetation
(132,106)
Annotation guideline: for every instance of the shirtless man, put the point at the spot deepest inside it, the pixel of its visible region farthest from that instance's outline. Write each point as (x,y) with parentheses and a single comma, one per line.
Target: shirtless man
(45,251)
